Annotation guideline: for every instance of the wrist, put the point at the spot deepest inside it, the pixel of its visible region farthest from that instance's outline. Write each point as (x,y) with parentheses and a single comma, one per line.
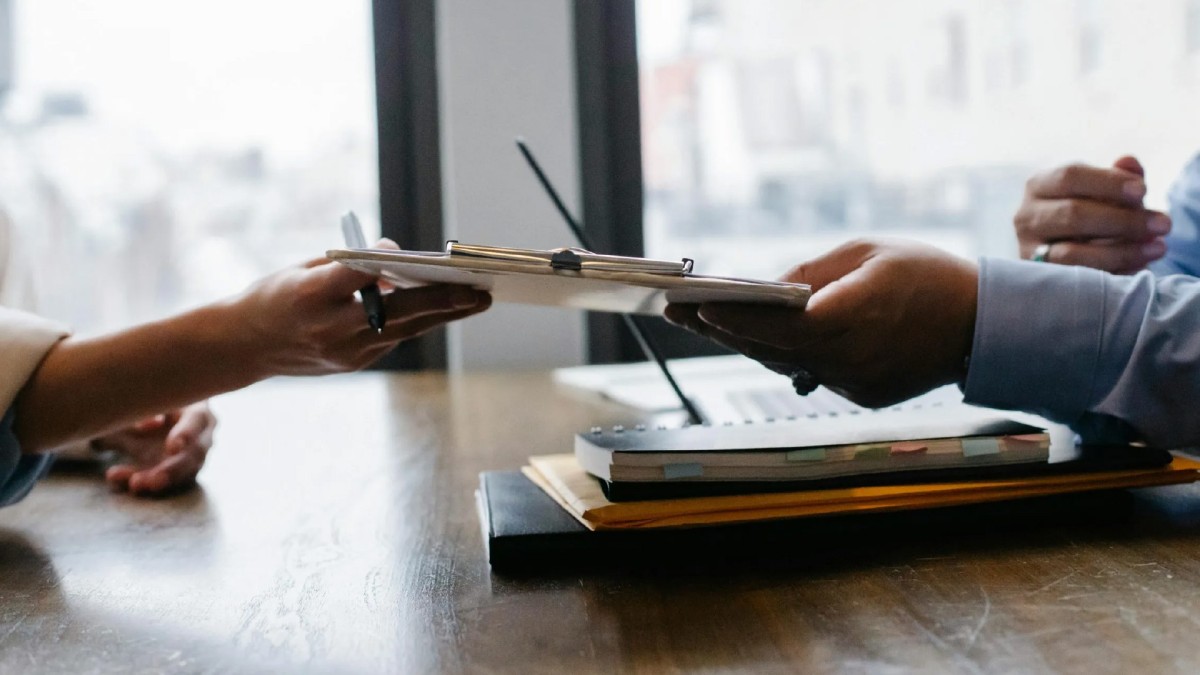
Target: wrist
(968,331)
(233,330)
(961,347)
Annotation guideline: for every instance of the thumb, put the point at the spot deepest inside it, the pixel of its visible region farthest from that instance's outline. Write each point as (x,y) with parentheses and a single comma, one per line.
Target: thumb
(1131,164)
(338,281)
(828,268)
(194,430)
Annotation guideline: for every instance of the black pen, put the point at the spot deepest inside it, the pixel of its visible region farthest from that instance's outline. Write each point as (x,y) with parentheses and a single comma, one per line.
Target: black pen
(372,299)
(639,333)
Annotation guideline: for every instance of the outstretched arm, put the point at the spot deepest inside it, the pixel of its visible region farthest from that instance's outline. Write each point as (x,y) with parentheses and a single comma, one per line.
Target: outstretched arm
(300,321)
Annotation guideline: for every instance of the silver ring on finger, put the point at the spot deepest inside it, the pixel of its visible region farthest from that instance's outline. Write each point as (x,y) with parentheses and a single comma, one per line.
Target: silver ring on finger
(1041,253)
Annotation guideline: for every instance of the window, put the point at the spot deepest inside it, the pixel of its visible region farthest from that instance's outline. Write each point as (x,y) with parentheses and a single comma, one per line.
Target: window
(771,130)
(1191,26)
(157,155)
(1091,34)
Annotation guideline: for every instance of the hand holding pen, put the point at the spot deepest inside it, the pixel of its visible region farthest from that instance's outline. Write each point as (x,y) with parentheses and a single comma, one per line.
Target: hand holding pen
(372,299)
(411,311)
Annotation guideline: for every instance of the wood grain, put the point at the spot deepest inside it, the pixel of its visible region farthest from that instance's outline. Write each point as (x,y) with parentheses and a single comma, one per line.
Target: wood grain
(334,531)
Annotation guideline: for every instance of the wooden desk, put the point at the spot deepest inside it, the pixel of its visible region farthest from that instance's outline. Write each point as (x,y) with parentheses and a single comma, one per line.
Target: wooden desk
(334,531)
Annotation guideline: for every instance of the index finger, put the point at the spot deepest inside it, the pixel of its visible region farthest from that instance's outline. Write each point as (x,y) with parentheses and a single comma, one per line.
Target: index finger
(335,280)
(410,303)
(778,327)
(1088,182)
(758,351)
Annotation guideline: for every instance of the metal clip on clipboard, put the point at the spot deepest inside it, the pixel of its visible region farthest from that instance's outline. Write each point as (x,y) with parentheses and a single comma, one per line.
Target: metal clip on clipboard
(572,259)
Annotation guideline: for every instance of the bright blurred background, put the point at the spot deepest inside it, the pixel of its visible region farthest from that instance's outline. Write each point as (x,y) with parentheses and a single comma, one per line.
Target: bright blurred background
(774,129)
(156,155)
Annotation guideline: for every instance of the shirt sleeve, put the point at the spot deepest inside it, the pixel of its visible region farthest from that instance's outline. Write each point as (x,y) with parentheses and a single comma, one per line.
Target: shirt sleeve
(1113,357)
(1183,243)
(24,341)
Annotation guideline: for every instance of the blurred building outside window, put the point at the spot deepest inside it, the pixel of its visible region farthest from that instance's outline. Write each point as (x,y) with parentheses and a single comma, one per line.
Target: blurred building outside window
(773,130)
(159,155)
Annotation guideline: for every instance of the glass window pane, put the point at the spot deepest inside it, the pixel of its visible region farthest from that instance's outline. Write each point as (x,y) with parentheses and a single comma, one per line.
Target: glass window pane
(156,154)
(774,129)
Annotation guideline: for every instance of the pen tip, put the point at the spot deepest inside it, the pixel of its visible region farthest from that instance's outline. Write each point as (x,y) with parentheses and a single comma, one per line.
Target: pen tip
(376,323)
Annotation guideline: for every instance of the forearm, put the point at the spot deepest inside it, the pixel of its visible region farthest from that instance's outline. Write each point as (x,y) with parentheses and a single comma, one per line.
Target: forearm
(88,386)
(1096,351)
(302,320)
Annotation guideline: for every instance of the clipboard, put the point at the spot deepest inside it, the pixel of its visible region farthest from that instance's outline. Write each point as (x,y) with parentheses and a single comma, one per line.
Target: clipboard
(567,277)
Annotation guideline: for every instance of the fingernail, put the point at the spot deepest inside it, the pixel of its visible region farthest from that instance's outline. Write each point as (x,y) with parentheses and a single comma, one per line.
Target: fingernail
(708,315)
(464,297)
(1154,249)
(1135,189)
(1159,224)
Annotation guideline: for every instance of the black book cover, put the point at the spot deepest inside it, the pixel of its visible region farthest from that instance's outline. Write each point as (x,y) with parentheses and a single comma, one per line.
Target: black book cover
(526,532)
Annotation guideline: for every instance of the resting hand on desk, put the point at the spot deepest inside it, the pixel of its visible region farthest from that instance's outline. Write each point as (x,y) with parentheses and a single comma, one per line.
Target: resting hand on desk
(1091,216)
(160,454)
(887,320)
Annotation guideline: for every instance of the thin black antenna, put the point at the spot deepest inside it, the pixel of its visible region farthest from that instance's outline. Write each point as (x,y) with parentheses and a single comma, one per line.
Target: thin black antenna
(651,350)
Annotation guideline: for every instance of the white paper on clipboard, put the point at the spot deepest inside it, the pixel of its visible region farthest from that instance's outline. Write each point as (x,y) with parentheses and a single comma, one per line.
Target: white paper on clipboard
(526,276)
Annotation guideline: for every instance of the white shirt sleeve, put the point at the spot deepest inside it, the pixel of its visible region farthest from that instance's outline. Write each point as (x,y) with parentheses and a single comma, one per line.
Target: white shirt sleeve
(24,341)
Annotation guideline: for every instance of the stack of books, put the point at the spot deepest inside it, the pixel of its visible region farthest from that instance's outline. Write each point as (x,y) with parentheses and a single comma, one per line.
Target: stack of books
(923,455)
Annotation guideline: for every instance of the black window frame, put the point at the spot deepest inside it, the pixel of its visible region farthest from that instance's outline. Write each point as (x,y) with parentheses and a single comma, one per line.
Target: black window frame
(610,158)
(410,177)
(609,124)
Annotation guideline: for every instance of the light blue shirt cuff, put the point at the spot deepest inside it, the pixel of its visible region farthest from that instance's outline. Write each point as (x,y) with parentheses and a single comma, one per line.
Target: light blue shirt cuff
(18,472)
(1183,243)
(1038,332)
(1114,357)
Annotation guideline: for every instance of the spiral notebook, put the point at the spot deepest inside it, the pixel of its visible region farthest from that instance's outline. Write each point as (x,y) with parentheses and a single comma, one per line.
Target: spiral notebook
(898,444)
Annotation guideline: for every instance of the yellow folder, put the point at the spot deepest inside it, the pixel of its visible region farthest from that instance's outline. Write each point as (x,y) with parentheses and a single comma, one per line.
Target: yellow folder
(561,477)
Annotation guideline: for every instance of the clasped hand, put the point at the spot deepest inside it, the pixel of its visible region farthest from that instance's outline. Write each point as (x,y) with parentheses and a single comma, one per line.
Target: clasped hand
(1092,216)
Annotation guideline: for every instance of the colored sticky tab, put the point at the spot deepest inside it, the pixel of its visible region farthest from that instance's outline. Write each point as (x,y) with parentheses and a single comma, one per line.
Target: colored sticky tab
(1027,438)
(683,470)
(873,452)
(975,447)
(908,448)
(806,455)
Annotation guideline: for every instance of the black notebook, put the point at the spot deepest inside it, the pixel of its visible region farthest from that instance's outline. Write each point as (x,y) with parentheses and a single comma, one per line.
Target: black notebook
(525,531)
